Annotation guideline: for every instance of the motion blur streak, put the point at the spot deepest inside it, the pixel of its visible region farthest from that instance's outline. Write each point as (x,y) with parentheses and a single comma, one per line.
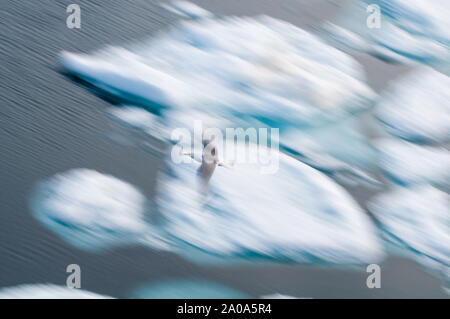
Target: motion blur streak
(411,31)
(362,164)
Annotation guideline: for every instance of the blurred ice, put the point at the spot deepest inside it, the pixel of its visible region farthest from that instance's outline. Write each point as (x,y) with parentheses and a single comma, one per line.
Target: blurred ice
(89,210)
(294,215)
(186,9)
(193,289)
(255,69)
(139,121)
(186,289)
(340,150)
(236,72)
(47,291)
(417,107)
(246,215)
(410,164)
(418,218)
(134,117)
(347,37)
(411,30)
(415,214)
(280,296)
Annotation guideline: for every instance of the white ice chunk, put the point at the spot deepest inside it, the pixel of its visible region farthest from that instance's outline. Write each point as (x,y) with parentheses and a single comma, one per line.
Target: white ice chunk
(186,9)
(186,289)
(411,164)
(410,31)
(418,218)
(90,210)
(259,70)
(346,37)
(339,149)
(417,107)
(141,120)
(249,215)
(280,296)
(47,291)
(137,82)
(239,219)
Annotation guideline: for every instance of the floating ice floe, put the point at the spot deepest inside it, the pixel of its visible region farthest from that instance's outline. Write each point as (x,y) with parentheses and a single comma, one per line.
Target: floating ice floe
(47,291)
(296,214)
(280,296)
(186,9)
(259,71)
(139,124)
(135,117)
(346,37)
(193,289)
(186,289)
(246,213)
(231,72)
(417,107)
(410,164)
(418,218)
(410,31)
(339,149)
(89,210)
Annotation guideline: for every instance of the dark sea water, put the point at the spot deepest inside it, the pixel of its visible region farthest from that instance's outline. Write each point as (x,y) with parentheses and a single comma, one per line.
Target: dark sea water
(49,124)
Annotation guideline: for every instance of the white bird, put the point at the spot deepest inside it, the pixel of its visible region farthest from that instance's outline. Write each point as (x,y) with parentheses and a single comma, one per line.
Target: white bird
(209,161)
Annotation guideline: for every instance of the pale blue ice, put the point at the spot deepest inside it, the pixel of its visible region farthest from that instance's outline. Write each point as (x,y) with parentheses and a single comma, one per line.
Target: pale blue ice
(186,289)
(237,72)
(90,210)
(47,291)
(248,214)
(418,218)
(416,107)
(410,164)
(410,31)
